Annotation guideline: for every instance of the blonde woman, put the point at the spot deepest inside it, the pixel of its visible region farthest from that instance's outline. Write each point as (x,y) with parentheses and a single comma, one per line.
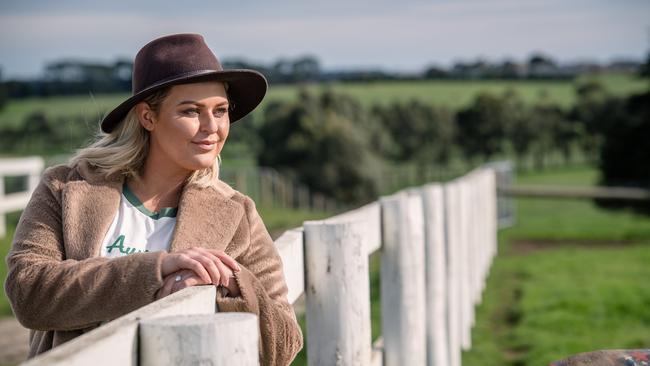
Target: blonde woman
(141,213)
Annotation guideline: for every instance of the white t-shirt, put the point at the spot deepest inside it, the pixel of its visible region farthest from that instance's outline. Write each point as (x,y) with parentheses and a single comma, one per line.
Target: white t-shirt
(135,229)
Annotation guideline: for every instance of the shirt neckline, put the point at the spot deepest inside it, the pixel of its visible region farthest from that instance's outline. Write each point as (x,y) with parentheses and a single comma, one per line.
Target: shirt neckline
(133,200)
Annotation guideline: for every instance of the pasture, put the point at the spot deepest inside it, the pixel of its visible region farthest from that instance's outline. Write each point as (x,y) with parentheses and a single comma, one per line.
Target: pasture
(570,277)
(453,94)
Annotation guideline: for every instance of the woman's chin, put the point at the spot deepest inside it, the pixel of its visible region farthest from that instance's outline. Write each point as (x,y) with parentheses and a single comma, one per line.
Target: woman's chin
(203,162)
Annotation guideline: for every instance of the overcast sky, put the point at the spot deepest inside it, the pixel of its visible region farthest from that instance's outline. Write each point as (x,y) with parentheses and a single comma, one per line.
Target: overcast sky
(392,35)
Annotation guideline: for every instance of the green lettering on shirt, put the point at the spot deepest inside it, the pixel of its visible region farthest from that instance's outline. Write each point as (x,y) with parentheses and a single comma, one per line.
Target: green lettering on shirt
(118,244)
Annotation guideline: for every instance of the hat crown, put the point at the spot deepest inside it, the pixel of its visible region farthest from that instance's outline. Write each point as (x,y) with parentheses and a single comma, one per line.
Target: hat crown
(170,57)
(185,58)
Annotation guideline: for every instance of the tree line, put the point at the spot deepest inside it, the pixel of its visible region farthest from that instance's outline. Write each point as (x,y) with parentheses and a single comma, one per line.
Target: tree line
(79,77)
(336,146)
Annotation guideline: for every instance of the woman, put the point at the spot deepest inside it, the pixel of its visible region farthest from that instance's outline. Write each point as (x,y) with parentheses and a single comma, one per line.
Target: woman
(141,214)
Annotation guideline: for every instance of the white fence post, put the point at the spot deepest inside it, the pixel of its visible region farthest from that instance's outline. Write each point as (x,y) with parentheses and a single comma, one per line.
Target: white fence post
(402,281)
(436,275)
(222,339)
(338,293)
(492,210)
(453,271)
(30,167)
(464,269)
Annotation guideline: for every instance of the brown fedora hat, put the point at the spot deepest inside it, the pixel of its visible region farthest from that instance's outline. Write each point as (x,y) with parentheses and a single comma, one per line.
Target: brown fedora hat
(181,59)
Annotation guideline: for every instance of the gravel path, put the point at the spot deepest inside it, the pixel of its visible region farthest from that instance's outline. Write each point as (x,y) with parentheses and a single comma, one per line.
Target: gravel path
(13,342)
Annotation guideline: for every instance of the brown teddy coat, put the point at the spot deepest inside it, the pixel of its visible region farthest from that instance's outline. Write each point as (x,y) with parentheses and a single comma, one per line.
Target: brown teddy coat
(60,288)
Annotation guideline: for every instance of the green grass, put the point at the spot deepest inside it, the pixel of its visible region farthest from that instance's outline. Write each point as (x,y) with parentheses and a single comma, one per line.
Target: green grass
(544,305)
(568,176)
(453,94)
(5,245)
(277,220)
(570,278)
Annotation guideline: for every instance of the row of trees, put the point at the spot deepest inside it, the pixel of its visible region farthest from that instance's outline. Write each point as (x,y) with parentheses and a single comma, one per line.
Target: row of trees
(335,146)
(73,76)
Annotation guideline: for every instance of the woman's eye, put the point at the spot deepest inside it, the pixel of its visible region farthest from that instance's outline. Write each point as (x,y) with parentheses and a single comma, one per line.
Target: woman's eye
(220,112)
(191,112)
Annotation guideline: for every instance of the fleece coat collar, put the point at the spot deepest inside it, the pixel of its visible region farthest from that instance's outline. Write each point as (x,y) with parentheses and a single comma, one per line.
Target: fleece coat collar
(200,207)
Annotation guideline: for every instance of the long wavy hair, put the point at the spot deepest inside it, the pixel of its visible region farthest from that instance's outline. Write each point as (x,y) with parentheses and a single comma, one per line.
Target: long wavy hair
(124,150)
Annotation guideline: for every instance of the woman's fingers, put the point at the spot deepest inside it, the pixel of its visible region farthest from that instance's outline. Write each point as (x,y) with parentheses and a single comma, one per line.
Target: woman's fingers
(226,273)
(186,262)
(179,280)
(226,259)
(209,263)
(173,262)
(187,279)
(166,287)
(218,258)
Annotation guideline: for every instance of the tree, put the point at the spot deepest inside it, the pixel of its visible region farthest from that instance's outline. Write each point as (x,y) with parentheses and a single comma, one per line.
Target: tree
(419,132)
(645,68)
(305,68)
(319,142)
(592,114)
(482,126)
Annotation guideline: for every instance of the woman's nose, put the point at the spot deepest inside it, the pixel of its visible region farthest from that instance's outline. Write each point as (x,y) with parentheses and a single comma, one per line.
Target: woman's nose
(210,123)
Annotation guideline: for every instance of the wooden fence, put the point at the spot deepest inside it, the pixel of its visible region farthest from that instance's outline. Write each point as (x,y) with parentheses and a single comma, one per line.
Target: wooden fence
(436,243)
(15,201)
(268,188)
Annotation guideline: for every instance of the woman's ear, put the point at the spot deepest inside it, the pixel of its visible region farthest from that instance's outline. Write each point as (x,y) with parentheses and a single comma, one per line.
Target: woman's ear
(146,116)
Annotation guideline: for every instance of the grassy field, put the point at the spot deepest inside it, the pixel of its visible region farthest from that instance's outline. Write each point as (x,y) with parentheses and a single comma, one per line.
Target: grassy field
(450,93)
(570,278)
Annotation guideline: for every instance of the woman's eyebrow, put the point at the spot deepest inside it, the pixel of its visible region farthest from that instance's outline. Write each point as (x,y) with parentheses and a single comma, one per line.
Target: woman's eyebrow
(225,102)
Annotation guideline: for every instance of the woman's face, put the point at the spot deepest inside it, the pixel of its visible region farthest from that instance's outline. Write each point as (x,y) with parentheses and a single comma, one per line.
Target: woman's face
(191,126)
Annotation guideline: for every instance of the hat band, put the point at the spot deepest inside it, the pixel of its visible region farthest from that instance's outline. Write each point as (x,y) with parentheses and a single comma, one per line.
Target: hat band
(177,76)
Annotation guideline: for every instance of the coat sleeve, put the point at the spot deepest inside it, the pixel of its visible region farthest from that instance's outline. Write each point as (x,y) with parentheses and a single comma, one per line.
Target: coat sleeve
(49,292)
(264,292)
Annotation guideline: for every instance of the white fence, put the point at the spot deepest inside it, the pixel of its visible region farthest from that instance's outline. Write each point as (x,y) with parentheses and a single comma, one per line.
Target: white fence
(436,242)
(17,167)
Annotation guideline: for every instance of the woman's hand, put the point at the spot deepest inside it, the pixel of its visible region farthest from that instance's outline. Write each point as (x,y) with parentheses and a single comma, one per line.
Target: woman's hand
(179,280)
(197,266)
(208,264)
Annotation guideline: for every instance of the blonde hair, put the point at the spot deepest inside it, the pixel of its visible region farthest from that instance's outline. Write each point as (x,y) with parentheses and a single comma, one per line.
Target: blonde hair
(124,150)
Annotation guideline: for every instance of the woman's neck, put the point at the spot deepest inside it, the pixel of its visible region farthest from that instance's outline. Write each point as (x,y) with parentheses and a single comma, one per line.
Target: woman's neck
(158,188)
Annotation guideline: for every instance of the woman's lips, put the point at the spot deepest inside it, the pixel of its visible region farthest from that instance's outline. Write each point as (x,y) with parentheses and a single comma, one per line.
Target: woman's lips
(206,145)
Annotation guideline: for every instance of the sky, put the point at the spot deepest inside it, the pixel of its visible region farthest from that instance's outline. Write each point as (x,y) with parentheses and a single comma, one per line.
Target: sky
(343,34)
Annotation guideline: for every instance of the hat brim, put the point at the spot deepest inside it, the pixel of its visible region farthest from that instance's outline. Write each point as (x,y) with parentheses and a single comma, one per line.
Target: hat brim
(246,89)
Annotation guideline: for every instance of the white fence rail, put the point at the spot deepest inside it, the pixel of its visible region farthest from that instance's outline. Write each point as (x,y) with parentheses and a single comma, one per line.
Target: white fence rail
(17,167)
(436,243)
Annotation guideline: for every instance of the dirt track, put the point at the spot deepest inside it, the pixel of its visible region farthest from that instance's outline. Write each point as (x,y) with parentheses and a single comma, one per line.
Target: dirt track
(13,342)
